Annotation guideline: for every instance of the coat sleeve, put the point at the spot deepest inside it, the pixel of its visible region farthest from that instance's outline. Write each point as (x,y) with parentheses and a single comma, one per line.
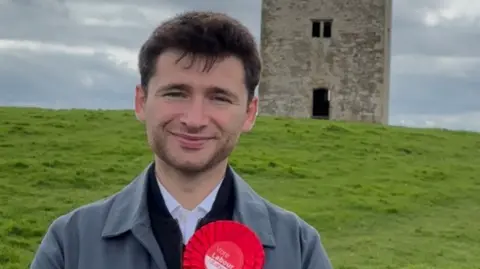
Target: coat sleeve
(314,255)
(49,254)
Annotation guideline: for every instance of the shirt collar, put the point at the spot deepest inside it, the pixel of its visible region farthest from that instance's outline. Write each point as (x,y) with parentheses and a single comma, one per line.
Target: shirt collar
(172,204)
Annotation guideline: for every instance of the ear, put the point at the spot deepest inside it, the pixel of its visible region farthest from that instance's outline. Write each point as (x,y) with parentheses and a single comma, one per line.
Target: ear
(251,115)
(140,99)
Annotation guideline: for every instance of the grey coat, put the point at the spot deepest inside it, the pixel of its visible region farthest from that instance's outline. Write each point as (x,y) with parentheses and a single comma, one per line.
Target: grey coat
(114,233)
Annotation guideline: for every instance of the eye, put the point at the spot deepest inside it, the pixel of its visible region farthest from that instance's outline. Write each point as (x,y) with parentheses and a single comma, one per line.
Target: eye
(222,98)
(174,94)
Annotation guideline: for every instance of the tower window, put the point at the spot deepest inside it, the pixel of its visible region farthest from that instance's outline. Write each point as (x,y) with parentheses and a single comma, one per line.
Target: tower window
(322,28)
(327,29)
(316,29)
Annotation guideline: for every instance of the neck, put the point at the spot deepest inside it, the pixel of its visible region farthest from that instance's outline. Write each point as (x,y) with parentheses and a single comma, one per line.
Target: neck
(189,189)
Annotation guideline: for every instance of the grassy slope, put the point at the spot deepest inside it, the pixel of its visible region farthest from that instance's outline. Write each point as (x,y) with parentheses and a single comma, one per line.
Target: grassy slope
(381,197)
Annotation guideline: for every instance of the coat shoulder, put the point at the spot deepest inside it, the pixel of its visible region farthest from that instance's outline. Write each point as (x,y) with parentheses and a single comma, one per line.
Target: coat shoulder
(79,219)
(297,235)
(288,219)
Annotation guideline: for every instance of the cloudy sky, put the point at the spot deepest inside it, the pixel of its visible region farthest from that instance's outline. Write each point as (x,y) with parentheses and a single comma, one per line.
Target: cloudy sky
(83,53)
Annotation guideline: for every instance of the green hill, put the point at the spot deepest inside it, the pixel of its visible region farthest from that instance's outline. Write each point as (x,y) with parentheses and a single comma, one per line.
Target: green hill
(381,197)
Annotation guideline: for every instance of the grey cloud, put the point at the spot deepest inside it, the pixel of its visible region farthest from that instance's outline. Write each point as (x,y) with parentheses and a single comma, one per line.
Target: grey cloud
(247,11)
(57,79)
(422,97)
(53,21)
(417,38)
(412,36)
(412,10)
(430,94)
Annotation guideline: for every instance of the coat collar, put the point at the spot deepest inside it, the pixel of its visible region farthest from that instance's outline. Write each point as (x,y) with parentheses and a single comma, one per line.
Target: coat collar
(129,209)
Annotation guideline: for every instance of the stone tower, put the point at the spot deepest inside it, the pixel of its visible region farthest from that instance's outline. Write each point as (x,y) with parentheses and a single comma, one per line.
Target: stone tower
(326,59)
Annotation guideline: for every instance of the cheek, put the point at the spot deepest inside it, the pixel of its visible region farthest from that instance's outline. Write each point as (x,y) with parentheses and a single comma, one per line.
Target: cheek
(157,112)
(231,121)
(150,116)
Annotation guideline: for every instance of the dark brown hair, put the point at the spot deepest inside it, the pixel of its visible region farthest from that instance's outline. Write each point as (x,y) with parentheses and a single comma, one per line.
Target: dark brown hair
(207,34)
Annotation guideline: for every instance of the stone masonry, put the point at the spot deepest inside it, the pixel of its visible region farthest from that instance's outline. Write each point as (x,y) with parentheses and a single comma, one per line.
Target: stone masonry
(353,63)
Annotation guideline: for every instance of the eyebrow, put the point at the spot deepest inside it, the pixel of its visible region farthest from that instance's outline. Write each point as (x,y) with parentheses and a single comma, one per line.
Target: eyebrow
(172,85)
(221,90)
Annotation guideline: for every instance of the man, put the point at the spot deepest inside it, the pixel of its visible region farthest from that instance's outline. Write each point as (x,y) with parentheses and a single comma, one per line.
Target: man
(196,96)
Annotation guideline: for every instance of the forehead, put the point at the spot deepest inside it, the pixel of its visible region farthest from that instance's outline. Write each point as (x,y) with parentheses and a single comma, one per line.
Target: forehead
(227,73)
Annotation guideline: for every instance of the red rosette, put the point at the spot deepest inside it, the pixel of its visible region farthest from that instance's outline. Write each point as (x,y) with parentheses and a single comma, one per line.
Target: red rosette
(224,245)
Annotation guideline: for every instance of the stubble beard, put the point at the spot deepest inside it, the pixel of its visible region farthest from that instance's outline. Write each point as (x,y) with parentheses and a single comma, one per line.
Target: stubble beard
(160,149)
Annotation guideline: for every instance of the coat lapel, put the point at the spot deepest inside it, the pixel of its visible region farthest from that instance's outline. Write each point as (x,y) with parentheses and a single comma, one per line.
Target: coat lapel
(251,210)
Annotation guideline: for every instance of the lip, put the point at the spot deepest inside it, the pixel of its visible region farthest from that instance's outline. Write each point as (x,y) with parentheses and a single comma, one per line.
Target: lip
(191,141)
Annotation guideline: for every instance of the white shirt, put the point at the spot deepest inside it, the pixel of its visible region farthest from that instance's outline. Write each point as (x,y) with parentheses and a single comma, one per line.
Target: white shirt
(187,219)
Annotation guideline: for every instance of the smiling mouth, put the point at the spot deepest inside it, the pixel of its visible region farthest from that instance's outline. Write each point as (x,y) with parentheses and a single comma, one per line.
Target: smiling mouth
(191,141)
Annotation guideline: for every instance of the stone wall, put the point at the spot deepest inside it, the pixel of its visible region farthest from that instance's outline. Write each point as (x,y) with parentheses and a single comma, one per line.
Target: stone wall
(353,64)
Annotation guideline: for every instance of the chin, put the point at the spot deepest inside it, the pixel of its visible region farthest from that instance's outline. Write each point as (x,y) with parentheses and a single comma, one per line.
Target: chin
(192,167)
(190,162)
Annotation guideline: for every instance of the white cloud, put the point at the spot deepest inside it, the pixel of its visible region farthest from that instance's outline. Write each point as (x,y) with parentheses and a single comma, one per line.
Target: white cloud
(117,55)
(463,12)
(87,81)
(122,57)
(465,121)
(102,14)
(92,21)
(117,14)
(448,66)
(155,16)
(41,47)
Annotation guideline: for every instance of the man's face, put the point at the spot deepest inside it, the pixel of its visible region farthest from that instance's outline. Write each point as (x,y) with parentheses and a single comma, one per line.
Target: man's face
(194,118)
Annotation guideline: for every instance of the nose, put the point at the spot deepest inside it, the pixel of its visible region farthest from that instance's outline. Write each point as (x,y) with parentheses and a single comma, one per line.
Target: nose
(194,116)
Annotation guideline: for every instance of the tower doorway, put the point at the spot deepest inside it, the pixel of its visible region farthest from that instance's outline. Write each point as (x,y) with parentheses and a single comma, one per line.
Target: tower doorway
(321,103)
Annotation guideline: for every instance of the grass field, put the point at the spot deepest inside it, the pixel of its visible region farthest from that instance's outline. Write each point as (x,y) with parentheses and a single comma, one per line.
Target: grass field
(381,197)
